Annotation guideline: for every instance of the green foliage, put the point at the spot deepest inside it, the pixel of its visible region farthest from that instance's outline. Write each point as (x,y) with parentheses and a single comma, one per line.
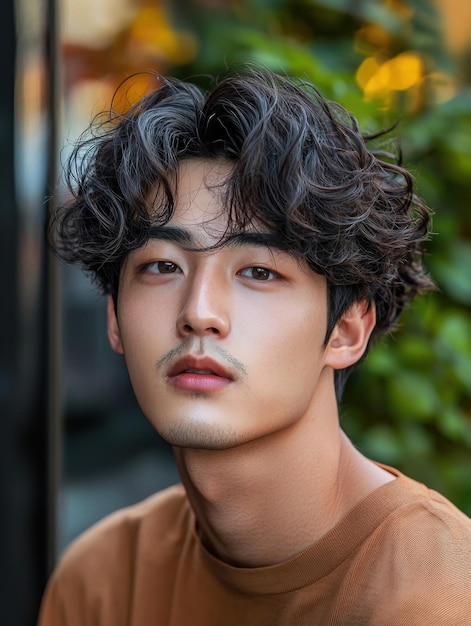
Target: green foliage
(410,402)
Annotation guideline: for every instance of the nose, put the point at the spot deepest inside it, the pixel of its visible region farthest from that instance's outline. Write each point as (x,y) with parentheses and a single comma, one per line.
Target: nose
(205,306)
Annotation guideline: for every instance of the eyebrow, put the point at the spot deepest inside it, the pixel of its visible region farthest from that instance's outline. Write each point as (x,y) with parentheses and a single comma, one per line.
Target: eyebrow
(256,238)
(176,234)
(185,238)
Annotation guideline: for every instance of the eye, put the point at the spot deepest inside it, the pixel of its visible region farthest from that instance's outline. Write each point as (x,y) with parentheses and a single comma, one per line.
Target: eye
(258,273)
(161,267)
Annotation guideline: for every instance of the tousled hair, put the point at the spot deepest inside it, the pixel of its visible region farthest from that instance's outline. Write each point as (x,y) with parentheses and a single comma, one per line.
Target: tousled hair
(300,168)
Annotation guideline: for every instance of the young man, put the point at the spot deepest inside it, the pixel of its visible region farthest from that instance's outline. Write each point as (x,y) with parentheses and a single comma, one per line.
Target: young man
(252,246)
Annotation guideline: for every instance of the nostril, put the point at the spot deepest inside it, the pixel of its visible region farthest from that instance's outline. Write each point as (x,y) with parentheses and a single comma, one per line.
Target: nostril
(188,328)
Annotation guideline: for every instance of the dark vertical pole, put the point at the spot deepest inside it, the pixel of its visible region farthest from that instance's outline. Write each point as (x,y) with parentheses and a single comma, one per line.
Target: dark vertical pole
(29,363)
(20,465)
(53,304)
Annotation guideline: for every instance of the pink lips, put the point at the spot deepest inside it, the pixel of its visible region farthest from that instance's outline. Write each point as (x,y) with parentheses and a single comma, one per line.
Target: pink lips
(192,373)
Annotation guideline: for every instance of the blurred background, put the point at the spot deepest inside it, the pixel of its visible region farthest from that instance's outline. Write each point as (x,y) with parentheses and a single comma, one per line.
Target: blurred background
(75,445)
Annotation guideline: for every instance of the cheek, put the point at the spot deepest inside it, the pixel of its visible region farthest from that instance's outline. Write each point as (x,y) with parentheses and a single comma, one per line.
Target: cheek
(144,315)
(142,332)
(285,366)
(288,340)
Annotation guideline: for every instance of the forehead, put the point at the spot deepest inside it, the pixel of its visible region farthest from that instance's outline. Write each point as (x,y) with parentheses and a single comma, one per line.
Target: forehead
(199,204)
(200,219)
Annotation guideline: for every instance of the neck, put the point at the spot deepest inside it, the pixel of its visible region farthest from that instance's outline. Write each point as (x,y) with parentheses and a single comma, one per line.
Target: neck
(265,501)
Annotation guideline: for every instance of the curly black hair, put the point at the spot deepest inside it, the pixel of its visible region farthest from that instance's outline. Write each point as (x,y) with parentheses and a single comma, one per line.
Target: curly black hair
(300,168)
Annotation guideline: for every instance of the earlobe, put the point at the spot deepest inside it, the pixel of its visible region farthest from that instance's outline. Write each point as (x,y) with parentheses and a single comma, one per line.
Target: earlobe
(350,336)
(114,334)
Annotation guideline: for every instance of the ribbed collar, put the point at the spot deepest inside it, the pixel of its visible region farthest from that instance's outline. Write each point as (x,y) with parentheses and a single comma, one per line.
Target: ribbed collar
(322,557)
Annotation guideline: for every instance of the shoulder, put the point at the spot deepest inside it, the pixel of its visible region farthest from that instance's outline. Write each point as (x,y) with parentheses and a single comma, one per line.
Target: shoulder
(98,568)
(425,518)
(420,555)
(121,532)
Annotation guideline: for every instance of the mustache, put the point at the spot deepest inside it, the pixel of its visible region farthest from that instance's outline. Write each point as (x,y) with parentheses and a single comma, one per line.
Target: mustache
(211,350)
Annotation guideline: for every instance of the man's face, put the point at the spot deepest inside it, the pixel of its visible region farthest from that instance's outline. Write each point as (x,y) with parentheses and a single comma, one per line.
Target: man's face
(224,346)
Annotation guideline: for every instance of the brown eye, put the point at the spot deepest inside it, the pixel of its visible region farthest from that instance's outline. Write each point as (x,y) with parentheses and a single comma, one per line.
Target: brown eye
(162,267)
(258,273)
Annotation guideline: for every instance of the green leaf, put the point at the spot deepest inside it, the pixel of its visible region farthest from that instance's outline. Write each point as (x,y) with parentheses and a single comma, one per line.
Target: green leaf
(453,272)
(412,396)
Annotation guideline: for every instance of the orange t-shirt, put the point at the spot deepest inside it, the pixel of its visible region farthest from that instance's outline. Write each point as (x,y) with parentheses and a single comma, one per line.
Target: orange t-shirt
(402,557)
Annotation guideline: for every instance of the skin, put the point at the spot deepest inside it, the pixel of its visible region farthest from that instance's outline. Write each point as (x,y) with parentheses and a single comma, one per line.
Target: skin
(265,464)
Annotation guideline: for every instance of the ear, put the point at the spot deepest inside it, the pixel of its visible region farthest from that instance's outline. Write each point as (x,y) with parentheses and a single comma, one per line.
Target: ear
(350,336)
(114,334)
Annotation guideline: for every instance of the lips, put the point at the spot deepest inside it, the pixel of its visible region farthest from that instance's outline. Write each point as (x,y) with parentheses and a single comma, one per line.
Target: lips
(191,371)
